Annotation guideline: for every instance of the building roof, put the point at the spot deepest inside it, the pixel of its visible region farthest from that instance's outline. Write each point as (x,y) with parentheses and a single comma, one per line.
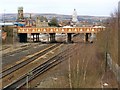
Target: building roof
(98,27)
(6,24)
(19,24)
(67,27)
(11,24)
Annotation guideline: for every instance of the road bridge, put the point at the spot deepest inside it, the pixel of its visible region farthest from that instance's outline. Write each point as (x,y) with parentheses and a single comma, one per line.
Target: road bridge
(23,31)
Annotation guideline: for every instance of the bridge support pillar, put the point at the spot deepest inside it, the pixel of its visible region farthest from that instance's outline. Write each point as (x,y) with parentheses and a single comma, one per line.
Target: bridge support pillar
(23,37)
(37,37)
(86,37)
(52,37)
(69,37)
(33,37)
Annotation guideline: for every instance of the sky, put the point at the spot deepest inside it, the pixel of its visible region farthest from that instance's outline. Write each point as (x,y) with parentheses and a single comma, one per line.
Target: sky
(83,7)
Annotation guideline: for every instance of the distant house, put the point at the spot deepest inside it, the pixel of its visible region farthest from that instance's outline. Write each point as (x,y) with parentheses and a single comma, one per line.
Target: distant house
(4,35)
(19,24)
(30,22)
(7,24)
(3,30)
(41,23)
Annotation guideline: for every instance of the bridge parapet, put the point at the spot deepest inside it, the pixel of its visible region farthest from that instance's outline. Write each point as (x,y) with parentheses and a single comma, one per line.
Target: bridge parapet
(61,30)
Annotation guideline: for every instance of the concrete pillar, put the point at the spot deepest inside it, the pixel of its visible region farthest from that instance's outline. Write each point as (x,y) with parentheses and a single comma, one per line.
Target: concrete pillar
(23,37)
(30,37)
(86,37)
(33,37)
(37,37)
(69,37)
(52,37)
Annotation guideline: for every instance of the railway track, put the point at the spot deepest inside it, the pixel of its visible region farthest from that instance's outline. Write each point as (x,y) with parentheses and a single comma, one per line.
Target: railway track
(40,69)
(62,56)
(4,48)
(10,66)
(24,47)
(35,72)
(17,59)
(27,61)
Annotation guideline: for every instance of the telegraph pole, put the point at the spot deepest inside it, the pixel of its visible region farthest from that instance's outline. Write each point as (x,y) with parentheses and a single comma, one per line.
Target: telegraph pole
(4,17)
(119,39)
(27,79)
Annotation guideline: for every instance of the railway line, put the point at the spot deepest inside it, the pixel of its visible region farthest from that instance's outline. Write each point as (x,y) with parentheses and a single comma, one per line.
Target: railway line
(37,70)
(24,47)
(64,55)
(5,48)
(15,58)
(41,69)
(27,61)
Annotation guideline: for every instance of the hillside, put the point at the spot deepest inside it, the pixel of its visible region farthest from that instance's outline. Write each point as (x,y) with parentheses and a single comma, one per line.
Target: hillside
(13,16)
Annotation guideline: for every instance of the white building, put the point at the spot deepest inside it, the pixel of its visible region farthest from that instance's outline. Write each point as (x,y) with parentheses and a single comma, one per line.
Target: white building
(74,16)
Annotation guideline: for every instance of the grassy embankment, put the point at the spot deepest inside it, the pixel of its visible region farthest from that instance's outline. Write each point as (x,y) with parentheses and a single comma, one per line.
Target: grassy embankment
(107,41)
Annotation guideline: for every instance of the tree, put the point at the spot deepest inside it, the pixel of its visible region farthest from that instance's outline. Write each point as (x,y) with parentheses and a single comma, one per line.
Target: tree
(53,22)
(9,37)
(42,18)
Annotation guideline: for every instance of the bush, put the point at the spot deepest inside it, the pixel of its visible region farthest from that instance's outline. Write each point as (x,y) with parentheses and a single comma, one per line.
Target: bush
(107,40)
(9,38)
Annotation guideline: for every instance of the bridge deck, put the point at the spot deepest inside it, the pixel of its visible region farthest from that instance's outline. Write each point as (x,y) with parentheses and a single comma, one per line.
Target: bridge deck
(60,30)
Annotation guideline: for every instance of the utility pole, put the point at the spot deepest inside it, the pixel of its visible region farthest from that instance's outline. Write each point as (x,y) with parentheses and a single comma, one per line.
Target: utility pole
(4,17)
(106,50)
(27,79)
(118,38)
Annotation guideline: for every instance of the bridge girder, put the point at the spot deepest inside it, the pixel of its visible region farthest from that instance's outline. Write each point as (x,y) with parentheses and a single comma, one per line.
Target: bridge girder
(60,30)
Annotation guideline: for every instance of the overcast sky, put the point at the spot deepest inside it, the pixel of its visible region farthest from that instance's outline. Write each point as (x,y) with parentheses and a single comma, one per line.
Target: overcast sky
(83,7)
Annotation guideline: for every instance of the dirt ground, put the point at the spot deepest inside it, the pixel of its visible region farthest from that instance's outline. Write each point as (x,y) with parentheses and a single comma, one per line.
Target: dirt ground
(84,68)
